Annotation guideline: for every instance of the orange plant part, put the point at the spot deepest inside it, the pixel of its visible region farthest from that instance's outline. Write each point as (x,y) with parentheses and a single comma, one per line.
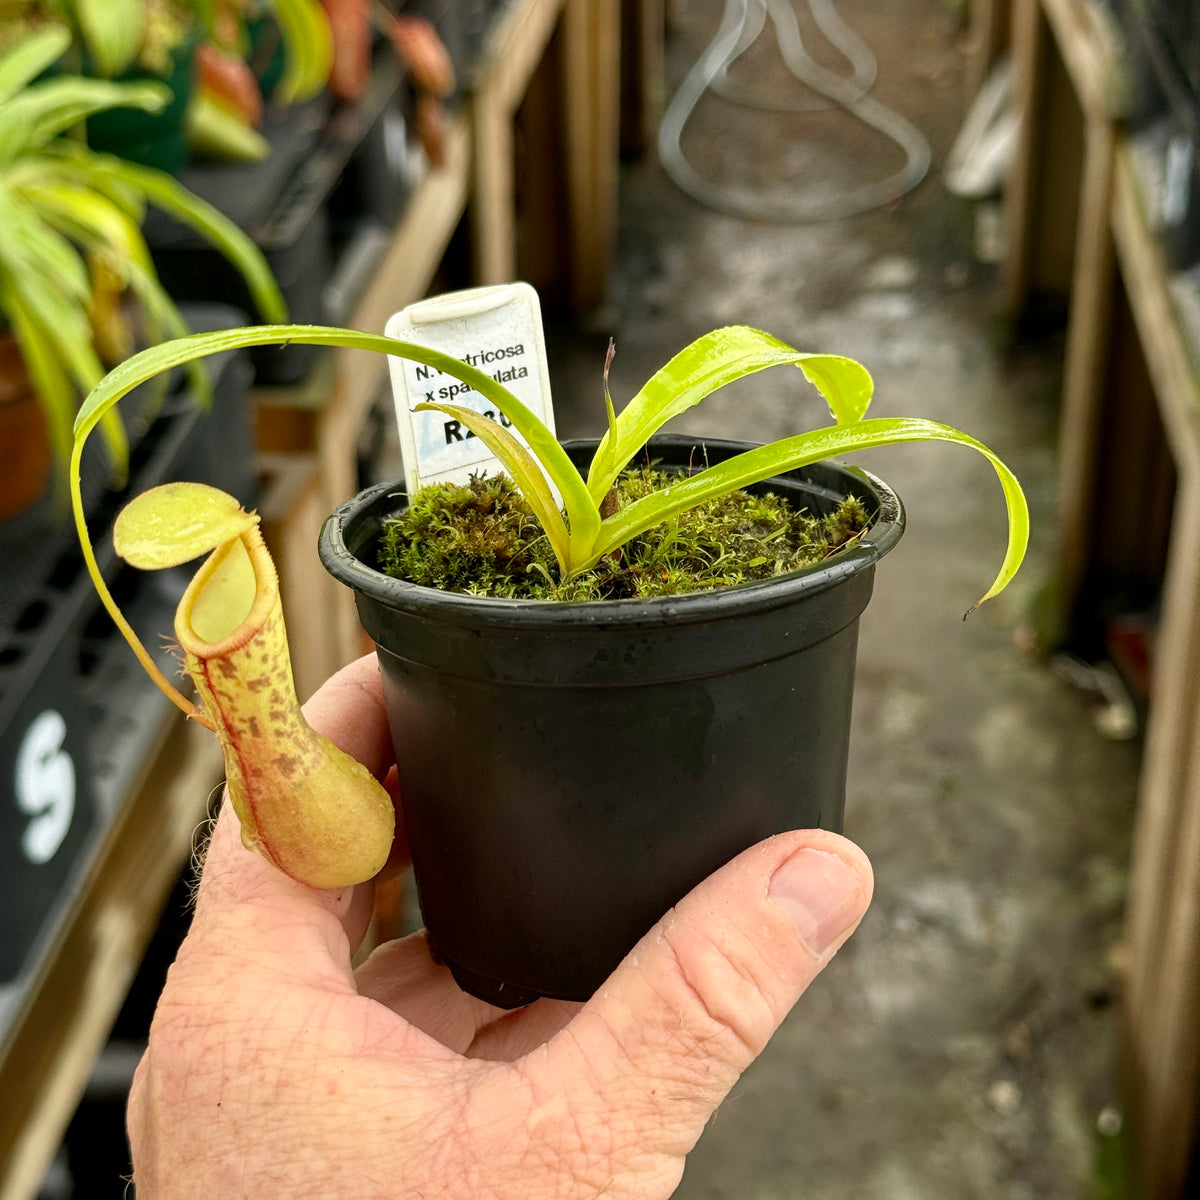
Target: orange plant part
(350,25)
(228,80)
(419,45)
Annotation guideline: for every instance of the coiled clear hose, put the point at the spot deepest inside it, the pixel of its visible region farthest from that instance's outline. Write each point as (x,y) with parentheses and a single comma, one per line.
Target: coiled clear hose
(743,21)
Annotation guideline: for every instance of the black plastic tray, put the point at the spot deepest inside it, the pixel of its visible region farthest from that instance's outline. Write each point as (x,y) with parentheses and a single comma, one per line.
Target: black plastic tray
(77,716)
(302,206)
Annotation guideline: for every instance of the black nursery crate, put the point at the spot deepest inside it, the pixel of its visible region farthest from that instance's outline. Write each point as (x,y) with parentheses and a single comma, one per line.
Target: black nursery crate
(1177,22)
(375,181)
(464,26)
(78,718)
(1163,38)
(287,205)
(51,813)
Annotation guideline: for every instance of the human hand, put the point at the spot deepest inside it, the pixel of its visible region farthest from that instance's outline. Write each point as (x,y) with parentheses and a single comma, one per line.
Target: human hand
(276,1071)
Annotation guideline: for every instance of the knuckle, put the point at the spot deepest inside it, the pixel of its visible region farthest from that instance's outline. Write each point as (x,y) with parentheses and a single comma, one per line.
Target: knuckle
(723,992)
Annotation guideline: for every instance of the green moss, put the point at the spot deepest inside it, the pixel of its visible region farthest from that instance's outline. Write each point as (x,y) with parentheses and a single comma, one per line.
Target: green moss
(482,539)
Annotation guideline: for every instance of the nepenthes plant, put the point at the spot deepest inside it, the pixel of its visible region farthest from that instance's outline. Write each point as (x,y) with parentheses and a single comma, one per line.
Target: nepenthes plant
(313,811)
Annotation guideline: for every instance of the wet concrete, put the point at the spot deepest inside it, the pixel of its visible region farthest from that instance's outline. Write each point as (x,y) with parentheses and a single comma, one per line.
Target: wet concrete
(962,1044)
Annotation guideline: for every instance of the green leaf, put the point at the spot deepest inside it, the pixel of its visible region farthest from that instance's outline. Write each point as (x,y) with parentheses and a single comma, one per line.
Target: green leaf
(67,327)
(66,164)
(93,221)
(28,59)
(846,385)
(709,363)
(61,103)
(42,353)
(16,132)
(582,514)
(761,463)
(46,273)
(44,110)
(155,359)
(753,466)
(85,216)
(205,11)
(54,389)
(166,193)
(308,48)
(31,248)
(524,469)
(113,31)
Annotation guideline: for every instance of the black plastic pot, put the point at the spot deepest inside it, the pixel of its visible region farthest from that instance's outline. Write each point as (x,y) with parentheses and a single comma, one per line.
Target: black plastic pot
(570,771)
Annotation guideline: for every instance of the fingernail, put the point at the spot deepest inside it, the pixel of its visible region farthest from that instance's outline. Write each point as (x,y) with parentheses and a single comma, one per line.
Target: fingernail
(821,894)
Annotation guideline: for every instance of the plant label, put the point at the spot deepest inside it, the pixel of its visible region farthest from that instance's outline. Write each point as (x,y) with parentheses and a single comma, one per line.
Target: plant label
(497,330)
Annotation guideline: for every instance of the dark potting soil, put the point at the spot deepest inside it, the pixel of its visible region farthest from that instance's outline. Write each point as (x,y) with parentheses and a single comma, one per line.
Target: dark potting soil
(481,538)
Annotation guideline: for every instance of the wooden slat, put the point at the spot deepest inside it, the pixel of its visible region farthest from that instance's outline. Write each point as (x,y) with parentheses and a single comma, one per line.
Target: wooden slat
(1172,360)
(285,416)
(990,24)
(1161,999)
(404,275)
(293,508)
(492,194)
(1093,48)
(590,73)
(643,74)
(510,55)
(1164,907)
(591,82)
(1086,358)
(513,49)
(1029,43)
(1163,992)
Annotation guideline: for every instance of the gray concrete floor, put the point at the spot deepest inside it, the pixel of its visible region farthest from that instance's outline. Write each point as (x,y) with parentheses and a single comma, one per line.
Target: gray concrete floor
(962,1045)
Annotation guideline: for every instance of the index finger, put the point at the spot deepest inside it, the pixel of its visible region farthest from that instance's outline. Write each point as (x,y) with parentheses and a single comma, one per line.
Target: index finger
(238,885)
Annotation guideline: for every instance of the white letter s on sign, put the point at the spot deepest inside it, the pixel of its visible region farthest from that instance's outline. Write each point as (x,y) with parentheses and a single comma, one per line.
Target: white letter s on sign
(45,785)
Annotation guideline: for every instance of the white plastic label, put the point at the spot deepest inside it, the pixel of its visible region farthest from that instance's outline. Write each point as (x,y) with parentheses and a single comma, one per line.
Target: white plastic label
(497,330)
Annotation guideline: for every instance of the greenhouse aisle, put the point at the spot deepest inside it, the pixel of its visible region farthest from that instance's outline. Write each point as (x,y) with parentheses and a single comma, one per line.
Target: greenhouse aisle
(962,1045)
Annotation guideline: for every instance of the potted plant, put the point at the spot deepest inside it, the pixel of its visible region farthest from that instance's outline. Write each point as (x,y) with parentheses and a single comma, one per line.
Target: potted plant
(569,769)
(72,253)
(197,50)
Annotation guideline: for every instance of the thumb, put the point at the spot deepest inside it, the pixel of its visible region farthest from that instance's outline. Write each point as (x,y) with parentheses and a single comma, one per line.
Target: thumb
(698,998)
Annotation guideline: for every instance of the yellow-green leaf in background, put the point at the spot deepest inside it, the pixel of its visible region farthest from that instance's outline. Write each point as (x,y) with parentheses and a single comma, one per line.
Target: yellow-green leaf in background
(308,48)
(113,31)
(29,58)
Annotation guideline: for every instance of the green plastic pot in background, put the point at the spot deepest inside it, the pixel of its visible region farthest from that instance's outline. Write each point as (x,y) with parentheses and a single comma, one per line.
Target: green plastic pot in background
(570,770)
(153,139)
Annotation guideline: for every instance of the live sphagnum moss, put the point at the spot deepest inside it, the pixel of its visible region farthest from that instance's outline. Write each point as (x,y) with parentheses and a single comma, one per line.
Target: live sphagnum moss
(481,538)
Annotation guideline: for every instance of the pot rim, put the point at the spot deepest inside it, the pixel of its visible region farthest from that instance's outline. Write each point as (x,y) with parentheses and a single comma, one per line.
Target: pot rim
(458,607)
